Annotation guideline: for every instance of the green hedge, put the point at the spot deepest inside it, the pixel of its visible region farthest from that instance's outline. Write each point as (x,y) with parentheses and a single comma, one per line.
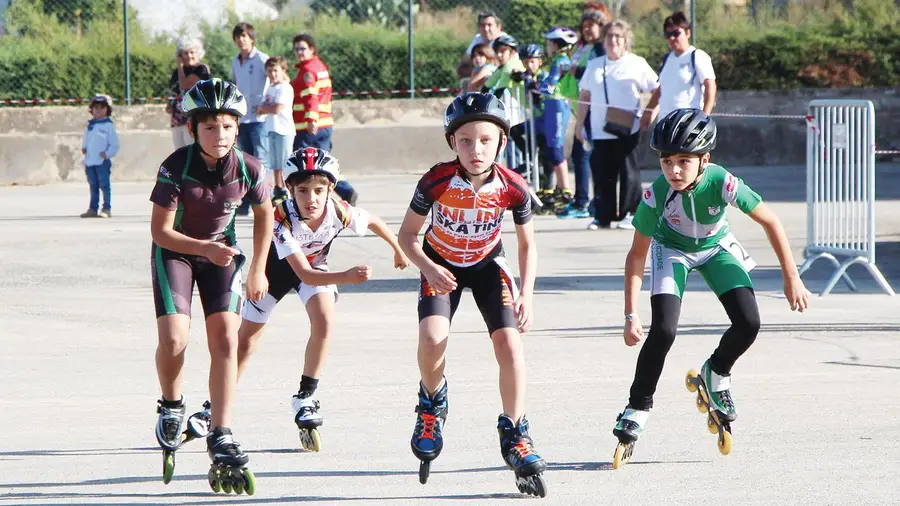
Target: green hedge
(528,20)
(363,57)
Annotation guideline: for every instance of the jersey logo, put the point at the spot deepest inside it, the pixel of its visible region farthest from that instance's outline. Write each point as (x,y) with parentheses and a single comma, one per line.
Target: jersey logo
(165,172)
(714,210)
(231,205)
(730,183)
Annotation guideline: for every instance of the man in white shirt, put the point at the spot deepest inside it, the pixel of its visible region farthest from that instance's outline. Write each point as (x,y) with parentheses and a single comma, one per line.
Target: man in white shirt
(248,72)
(686,79)
(490,28)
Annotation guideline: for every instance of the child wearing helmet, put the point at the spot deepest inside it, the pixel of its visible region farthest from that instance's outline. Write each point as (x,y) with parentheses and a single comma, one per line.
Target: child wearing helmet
(505,48)
(532,57)
(467,199)
(198,189)
(681,221)
(306,224)
(559,40)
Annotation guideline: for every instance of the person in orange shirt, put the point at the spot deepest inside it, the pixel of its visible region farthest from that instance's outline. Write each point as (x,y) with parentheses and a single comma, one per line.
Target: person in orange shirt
(312,105)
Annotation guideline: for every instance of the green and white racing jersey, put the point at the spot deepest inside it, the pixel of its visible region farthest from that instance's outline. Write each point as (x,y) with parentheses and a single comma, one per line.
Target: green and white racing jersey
(695,220)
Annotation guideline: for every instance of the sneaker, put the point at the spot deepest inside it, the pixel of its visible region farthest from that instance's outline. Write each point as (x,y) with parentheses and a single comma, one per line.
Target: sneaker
(572,211)
(596,225)
(625,222)
(106,213)
(90,213)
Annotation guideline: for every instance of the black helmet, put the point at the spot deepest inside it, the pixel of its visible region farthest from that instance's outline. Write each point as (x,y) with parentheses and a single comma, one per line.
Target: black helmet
(214,95)
(531,51)
(474,107)
(505,40)
(689,131)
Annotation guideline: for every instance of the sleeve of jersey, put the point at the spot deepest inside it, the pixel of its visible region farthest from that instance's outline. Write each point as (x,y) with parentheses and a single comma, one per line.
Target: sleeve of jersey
(646,217)
(260,188)
(167,190)
(422,198)
(359,219)
(285,242)
(738,194)
(521,204)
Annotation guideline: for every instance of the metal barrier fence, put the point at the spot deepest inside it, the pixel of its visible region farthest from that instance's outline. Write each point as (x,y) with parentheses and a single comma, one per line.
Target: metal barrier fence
(840,188)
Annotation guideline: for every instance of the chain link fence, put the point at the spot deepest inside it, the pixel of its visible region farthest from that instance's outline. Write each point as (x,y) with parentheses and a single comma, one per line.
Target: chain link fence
(63,51)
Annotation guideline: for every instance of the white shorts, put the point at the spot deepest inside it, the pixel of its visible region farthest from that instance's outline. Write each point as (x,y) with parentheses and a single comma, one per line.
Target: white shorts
(279,286)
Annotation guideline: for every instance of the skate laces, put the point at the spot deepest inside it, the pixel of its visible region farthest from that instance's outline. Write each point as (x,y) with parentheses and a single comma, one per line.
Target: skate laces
(725,399)
(428,423)
(226,444)
(523,448)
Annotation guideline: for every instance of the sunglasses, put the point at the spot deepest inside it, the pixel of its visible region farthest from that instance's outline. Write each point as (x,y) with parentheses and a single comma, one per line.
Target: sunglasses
(672,33)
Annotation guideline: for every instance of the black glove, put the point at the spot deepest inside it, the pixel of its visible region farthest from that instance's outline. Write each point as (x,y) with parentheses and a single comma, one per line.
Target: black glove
(517,76)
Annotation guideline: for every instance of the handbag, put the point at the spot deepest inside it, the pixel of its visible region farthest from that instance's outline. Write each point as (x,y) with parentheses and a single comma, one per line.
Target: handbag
(619,122)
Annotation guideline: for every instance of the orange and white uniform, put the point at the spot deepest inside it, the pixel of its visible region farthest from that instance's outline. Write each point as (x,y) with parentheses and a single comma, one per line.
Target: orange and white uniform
(312,95)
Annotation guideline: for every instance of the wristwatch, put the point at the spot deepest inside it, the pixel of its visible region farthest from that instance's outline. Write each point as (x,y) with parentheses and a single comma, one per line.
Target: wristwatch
(630,316)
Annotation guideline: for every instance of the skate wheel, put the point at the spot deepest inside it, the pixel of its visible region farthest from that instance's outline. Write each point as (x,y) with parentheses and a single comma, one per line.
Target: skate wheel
(711,425)
(620,458)
(168,466)
(540,488)
(237,482)
(226,483)
(249,481)
(701,406)
(424,470)
(214,484)
(316,440)
(724,443)
(689,380)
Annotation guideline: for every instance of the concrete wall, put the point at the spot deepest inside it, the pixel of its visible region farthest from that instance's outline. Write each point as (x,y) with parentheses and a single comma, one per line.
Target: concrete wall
(43,144)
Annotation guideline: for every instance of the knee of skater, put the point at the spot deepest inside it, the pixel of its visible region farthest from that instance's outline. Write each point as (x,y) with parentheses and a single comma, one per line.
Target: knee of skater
(663,335)
(225,345)
(507,344)
(749,325)
(431,341)
(172,345)
(246,347)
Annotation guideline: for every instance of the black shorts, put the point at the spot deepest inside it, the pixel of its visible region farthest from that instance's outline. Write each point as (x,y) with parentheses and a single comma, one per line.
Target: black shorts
(492,285)
(174,275)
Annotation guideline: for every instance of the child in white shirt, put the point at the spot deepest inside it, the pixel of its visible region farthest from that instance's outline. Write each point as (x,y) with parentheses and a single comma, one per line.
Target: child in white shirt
(278,107)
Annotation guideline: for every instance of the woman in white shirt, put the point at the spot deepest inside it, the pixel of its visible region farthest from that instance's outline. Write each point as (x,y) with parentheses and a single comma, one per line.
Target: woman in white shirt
(686,79)
(612,85)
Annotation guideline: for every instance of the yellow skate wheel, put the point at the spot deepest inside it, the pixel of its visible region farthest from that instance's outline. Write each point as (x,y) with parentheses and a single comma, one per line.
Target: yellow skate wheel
(711,425)
(214,484)
(621,457)
(725,442)
(168,466)
(316,440)
(226,483)
(701,406)
(237,482)
(249,481)
(688,380)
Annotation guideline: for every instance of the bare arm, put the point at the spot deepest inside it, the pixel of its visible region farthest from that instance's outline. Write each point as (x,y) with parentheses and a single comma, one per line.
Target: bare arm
(710,92)
(313,277)
(584,98)
(408,239)
(634,270)
(379,228)
(527,257)
(263,223)
(650,109)
(480,78)
(163,233)
(794,290)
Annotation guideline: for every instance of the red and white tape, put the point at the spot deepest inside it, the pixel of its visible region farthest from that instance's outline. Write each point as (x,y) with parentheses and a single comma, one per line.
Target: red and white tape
(59,101)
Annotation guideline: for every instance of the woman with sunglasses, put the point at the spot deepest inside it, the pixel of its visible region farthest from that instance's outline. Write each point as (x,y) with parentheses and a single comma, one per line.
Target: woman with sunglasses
(686,79)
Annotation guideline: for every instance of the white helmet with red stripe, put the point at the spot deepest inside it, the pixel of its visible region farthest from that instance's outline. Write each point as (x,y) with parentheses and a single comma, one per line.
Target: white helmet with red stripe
(312,161)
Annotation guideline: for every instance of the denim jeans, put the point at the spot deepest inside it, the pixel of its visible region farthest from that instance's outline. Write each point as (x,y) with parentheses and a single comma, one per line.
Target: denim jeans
(321,139)
(98,179)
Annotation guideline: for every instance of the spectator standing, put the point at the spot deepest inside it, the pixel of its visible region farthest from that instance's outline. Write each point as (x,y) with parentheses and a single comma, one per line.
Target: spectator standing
(100,144)
(188,71)
(248,72)
(612,85)
(490,28)
(313,121)
(687,79)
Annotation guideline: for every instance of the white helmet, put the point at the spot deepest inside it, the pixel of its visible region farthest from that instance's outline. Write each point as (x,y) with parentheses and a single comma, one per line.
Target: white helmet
(563,33)
(312,161)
